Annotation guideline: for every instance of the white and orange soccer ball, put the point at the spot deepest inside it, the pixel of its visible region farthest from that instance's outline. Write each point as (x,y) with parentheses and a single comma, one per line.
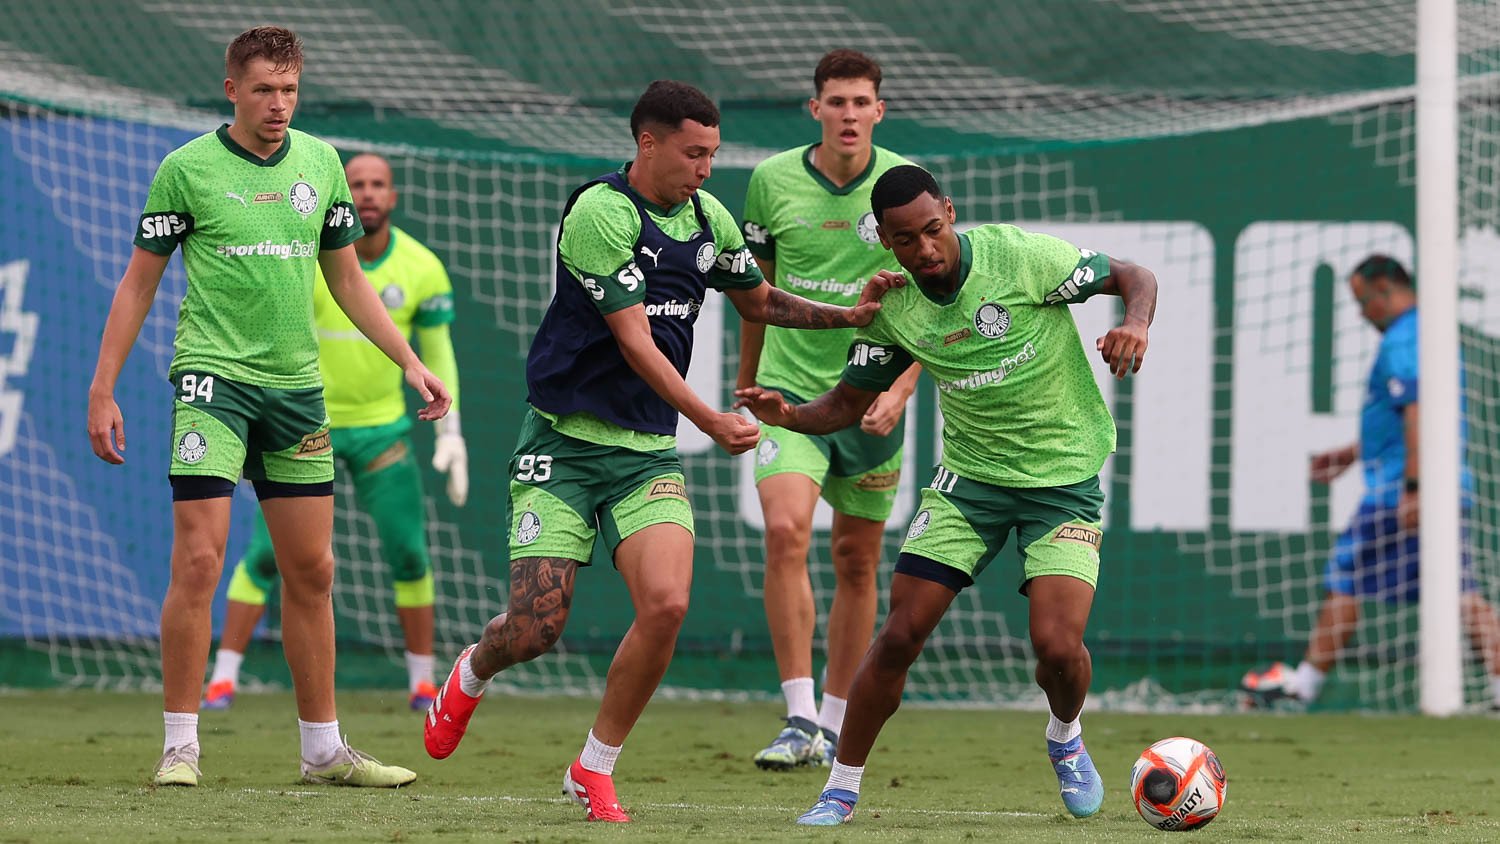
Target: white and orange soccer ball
(1178,784)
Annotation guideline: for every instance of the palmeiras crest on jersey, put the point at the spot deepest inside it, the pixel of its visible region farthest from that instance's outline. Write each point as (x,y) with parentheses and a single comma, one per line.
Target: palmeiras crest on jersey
(705,257)
(303,196)
(865,228)
(393,296)
(992,320)
(529,528)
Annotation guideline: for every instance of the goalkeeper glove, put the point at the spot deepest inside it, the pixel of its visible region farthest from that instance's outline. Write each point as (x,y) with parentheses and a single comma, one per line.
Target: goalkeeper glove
(451,456)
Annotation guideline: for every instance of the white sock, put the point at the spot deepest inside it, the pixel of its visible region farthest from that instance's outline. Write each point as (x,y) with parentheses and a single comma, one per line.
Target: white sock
(320,740)
(598,756)
(1308,681)
(227,666)
(1059,730)
(418,670)
(182,730)
(468,682)
(845,777)
(831,716)
(799,698)
(1495,689)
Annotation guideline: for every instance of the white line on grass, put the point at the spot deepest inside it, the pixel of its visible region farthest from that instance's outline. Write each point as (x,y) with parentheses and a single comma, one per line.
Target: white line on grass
(507,798)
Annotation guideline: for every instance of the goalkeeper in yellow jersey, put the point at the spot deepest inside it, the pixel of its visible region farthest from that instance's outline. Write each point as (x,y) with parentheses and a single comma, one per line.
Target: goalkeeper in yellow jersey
(362,389)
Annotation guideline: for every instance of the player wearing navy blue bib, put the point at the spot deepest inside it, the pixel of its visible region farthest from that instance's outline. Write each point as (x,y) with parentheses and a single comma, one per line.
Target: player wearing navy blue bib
(1376,555)
(637,251)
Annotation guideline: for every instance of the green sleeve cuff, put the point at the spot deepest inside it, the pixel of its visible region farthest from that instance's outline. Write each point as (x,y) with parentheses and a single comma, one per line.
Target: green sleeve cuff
(435,347)
(341,227)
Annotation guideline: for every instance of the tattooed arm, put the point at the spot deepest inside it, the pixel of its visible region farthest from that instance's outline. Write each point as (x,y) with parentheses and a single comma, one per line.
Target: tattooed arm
(773,306)
(835,410)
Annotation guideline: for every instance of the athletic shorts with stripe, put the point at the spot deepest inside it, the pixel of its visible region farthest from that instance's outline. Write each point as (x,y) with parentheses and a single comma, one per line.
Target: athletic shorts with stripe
(565,492)
(857,472)
(225,429)
(962,524)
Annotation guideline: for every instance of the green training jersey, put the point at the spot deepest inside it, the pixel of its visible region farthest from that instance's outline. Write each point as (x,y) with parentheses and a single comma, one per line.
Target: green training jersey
(598,248)
(361,386)
(822,238)
(250,230)
(1019,401)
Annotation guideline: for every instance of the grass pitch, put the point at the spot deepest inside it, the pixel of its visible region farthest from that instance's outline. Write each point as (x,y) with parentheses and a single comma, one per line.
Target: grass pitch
(76,767)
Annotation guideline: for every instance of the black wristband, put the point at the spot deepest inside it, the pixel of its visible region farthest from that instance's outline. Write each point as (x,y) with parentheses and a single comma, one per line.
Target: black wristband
(1411,485)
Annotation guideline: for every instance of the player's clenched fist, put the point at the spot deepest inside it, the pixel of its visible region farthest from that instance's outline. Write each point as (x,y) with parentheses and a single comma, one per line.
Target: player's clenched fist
(733,432)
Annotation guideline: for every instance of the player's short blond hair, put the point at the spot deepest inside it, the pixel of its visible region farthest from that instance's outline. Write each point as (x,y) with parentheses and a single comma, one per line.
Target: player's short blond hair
(278,45)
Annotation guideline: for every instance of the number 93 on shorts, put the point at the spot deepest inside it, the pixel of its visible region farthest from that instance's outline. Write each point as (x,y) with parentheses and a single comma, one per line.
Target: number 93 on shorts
(225,429)
(566,492)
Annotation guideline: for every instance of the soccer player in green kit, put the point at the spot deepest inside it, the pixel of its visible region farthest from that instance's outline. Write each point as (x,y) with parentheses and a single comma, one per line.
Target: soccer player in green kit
(255,206)
(1025,434)
(362,389)
(637,251)
(808,222)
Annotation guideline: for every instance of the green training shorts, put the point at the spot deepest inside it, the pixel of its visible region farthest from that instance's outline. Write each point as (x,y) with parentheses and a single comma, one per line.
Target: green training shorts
(223,429)
(564,492)
(963,524)
(858,472)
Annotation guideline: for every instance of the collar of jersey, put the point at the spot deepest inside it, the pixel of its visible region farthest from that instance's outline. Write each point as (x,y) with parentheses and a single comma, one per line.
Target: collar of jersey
(390,246)
(965,263)
(658,210)
(823,181)
(233,146)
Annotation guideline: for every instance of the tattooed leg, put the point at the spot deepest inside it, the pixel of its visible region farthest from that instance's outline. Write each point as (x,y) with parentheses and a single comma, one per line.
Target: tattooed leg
(541,592)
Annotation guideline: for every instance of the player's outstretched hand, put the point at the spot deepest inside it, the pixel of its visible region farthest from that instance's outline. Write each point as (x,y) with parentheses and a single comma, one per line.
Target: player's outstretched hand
(767,405)
(431,389)
(1124,348)
(733,432)
(869,298)
(106,429)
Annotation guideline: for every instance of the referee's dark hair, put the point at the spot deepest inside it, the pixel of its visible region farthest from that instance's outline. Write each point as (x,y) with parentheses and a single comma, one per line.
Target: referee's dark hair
(900,185)
(1383,266)
(666,103)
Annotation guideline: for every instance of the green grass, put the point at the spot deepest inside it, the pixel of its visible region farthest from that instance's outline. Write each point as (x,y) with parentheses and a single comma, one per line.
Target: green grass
(75,767)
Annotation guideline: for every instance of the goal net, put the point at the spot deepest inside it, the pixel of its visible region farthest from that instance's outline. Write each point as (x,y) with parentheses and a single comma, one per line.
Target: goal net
(1250,154)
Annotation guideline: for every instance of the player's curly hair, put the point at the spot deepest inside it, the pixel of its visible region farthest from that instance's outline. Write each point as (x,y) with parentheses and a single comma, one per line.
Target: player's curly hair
(845,64)
(278,45)
(667,103)
(1383,266)
(900,185)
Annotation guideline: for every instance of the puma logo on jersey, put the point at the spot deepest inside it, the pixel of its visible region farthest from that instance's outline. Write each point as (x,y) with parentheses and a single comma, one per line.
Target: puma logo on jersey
(232,195)
(654,256)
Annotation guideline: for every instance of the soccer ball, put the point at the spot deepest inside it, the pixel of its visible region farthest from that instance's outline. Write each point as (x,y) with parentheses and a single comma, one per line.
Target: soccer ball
(1178,784)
